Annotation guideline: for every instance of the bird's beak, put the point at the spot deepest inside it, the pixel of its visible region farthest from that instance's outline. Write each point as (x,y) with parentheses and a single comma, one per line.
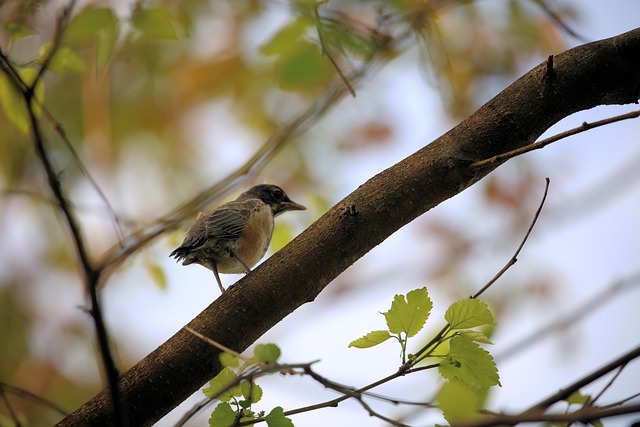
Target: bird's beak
(292,206)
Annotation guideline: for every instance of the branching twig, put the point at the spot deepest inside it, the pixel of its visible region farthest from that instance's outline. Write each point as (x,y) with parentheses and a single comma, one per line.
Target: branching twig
(4,388)
(514,258)
(323,45)
(541,144)
(91,275)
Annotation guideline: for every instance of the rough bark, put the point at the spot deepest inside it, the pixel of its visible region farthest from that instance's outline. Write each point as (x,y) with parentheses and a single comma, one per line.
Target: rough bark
(602,72)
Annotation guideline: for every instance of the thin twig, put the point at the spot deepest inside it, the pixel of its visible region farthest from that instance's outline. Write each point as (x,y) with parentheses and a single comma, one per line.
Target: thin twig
(323,45)
(91,274)
(27,395)
(541,144)
(216,344)
(587,379)
(514,258)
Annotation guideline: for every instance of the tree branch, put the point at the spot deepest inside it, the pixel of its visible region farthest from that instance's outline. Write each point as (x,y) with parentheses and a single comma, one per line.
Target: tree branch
(296,274)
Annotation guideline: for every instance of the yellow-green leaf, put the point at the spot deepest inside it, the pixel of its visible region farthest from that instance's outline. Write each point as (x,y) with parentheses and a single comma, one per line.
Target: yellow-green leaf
(222,416)
(223,386)
(457,401)
(18,31)
(286,38)
(154,22)
(276,418)
(469,363)
(468,313)
(65,59)
(409,315)
(303,68)
(371,339)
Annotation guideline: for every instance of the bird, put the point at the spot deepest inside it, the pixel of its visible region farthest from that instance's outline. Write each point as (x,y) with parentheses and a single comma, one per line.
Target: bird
(233,237)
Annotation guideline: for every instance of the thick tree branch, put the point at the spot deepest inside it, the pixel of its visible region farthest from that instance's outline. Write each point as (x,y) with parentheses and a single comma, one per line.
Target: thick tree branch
(603,72)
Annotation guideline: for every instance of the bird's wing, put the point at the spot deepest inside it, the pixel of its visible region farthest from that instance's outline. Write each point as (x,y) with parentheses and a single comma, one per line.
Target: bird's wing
(225,223)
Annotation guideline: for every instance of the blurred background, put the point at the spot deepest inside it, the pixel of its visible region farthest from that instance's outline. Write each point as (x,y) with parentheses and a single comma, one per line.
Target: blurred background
(162,100)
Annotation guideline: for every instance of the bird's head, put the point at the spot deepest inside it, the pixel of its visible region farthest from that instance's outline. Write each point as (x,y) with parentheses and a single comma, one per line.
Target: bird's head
(273,196)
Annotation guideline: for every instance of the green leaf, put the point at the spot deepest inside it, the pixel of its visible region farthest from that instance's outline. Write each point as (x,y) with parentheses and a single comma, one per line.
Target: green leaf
(95,25)
(157,274)
(266,353)
(18,31)
(577,398)
(154,22)
(251,391)
(476,336)
(371,339)
(457,401)
(222,416)
(285,39)
(221,386)
(304,67)
(469,363)
(276,418)
(13,102)
(410,315)
(228,359)
(468,313)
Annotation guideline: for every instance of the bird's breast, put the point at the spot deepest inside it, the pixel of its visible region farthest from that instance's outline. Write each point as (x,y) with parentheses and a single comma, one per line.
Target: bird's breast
(255,237)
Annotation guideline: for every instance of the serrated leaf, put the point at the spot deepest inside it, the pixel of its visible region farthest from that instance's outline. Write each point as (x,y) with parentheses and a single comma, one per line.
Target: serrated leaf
(222,416)
(469,363)
(457,401)
(409,315)
(154,22)
(577,398)
(276,418)
(266,353)
(285,39)
(371,339)
(476,336)
(251,391)
(223,386)
(468,313)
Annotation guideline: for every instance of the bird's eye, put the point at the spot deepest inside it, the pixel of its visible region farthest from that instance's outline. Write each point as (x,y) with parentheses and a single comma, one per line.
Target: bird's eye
(278,194)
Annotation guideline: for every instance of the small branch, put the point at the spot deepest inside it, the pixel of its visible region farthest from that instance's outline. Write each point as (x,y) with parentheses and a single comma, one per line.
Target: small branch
(323,45)
(541,144)
(27,395)
(514,258)
(566,392)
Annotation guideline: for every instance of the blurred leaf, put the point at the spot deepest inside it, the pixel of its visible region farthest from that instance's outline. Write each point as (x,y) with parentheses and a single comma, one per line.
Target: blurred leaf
(154,22)
(18,31)
(285,40)
(95,25)
(13,102)
(457,401)
(469,363)
(266,353)
(303,67)
(282,235)
(468,313)
(276,418)
(65,59)
(371,339)
(157,274)
(222,416)
(409,315)
(229,360)
(578,398)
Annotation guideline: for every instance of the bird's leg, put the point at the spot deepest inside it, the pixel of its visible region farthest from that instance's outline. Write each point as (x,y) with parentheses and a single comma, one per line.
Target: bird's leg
(214,268)
(244,264)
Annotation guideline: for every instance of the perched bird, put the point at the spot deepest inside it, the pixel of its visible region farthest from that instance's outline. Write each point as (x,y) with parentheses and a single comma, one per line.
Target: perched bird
(235,236)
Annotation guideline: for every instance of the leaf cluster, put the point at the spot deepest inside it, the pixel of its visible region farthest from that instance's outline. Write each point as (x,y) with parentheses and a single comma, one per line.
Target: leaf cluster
(468,368)
(237,391)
